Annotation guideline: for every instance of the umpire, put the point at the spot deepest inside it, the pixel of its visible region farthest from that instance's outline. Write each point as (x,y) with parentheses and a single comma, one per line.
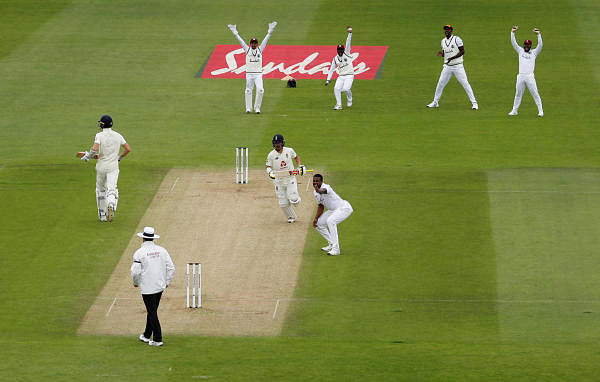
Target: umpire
(153,271)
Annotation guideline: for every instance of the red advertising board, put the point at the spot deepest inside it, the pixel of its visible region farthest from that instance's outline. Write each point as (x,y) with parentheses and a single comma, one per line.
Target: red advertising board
(298,61)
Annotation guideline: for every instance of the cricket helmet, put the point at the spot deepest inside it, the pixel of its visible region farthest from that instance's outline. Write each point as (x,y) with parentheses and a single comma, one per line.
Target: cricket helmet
(105,122)
(278,138)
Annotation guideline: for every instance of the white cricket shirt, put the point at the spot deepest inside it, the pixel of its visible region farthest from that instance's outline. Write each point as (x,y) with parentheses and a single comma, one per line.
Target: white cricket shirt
(450,49)
(526,59)
(109,145)
(330,200)
(281,161)
(343,63)
(152,268)
(253,56)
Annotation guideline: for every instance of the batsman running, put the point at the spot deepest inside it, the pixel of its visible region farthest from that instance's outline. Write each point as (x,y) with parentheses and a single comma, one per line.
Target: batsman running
(254,56)
(280,168)
(106,148)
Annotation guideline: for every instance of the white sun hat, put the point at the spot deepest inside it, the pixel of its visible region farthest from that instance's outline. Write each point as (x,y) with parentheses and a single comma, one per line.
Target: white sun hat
(148,233)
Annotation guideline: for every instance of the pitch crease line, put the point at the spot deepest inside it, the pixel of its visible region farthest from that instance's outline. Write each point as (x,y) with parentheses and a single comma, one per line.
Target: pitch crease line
(174,184)
(111,306)
(276,307)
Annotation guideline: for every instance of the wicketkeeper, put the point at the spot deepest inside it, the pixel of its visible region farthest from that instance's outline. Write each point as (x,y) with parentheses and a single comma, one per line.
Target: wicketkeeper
(106,148)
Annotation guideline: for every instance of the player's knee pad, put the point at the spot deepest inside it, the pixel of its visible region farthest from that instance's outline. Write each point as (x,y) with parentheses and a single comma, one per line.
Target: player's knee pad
(295,201)
(248,91)
(260,90)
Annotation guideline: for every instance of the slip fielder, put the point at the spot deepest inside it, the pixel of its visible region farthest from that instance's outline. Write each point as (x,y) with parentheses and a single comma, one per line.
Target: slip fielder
(343,62)
(452,51)
(254,56)
(279,161)
(526,66)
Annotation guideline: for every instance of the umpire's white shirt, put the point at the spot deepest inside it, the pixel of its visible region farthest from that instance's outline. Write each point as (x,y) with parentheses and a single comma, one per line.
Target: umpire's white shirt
(109,142)
(152,268)
(331,200)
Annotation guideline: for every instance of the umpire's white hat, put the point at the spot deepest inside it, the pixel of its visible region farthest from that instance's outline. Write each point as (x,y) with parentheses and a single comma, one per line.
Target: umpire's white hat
(148,233)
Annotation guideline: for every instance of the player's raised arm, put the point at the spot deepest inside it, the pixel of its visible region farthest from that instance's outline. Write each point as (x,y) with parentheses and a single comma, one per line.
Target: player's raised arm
(348,40)
(538,48)
(513,40)
(269,32)
(233,29)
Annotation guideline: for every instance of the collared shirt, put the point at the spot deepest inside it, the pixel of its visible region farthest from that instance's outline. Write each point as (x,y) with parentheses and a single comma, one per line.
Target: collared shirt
(331,200)
(152,268)
(110,143)
(526,59)
(450,47)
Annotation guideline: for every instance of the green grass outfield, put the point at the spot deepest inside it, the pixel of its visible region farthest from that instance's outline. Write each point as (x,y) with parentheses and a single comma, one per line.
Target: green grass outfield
(473,250)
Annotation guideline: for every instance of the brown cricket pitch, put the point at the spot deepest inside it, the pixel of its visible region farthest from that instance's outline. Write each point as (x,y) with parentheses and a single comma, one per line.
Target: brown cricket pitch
(250,258)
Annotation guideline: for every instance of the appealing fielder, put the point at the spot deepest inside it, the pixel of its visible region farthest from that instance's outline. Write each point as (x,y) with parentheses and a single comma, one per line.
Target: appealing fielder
(343,62)
(106,147)
(254,56)
(452,51)
(326,222)
(279,167)
(526,67)
(152,270)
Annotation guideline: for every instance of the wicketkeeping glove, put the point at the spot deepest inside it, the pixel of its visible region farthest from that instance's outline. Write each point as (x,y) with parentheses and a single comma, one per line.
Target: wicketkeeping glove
(272,26)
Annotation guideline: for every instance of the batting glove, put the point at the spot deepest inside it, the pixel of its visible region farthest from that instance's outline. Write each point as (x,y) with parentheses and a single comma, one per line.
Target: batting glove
(302,169)
(270,173)
(86,157)
(272,26)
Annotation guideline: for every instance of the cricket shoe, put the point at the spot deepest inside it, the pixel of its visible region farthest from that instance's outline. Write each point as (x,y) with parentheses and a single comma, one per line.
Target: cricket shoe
(291,220)
(349,103)
(144,339)
(248,111)
(333,252)
(540,114)
(110,213)
(257,111)
(475,106)
(433,104)
(513,112)
(327,249)
(155,343)
(337,107)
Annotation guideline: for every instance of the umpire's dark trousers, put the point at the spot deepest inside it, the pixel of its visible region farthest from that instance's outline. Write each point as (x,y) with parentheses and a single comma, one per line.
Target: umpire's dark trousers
(152,324)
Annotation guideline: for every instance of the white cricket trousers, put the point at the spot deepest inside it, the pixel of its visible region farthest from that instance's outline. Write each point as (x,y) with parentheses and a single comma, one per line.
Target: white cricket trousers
(343,84)
(106,190)
(287,194)
(253,79)
(328,221)
(529,81)
(459,72)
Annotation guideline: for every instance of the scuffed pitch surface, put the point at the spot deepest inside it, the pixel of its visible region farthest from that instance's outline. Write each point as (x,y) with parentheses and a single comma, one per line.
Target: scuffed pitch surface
(250,258)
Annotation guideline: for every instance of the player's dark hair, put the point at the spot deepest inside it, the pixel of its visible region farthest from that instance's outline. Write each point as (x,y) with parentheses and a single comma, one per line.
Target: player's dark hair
(318,176)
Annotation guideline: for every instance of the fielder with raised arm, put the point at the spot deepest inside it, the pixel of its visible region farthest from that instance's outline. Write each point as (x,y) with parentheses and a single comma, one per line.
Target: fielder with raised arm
(526,66)
(343,62)
(452,51)
(254,56)
(106,147)
(280,168)
(326,222)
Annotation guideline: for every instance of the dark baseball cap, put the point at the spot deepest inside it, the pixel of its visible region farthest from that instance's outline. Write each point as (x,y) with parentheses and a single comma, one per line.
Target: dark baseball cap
(448,26)
(528,42)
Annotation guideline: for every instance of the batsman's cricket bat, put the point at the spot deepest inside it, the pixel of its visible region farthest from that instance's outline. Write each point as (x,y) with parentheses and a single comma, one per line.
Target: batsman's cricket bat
(283,173)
